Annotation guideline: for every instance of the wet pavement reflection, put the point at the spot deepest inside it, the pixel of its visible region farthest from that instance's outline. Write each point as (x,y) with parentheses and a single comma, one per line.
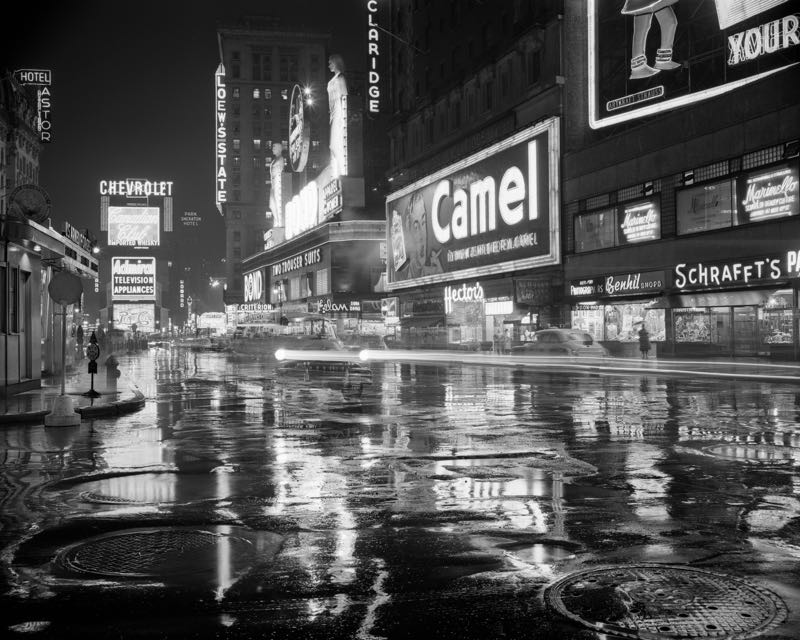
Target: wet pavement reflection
(439,504)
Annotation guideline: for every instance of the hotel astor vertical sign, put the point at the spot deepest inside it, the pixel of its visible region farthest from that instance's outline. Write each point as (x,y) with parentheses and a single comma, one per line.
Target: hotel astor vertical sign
(489,213)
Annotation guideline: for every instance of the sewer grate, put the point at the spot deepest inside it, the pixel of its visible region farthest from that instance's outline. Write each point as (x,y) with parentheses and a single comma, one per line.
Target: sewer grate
(99,498)
(763,454)
(656,601)
(145,553)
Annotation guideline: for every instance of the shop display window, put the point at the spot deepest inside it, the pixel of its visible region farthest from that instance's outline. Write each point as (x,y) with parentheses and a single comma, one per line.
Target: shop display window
(775,318)
(589,319)
(708,206)
(692,325)
(595,230)
(624,320)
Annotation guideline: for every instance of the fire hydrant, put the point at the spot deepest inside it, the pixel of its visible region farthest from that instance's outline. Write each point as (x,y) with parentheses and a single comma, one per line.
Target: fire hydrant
(112,370)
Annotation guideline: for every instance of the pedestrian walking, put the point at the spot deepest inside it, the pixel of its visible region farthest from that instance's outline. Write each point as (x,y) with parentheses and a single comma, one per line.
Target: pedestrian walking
(644,342)
(79,341)
(507,342)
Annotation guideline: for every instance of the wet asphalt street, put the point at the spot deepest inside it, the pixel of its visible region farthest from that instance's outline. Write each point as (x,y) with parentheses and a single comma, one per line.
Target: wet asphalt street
(441,504)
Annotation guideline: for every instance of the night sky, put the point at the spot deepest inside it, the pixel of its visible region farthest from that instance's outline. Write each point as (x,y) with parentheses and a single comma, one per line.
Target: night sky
(133,88)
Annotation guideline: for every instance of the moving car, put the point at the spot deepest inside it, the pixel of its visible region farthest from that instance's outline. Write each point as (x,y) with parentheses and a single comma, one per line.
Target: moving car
(562,342)
(348,377)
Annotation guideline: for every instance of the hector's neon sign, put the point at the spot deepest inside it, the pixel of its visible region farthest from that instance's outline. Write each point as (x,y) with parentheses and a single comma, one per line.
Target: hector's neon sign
(220,136)
(462,294)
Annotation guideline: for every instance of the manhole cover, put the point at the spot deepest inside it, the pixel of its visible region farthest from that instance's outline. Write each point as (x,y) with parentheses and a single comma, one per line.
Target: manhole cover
(655,601)
(766,454)
(99,498)
(149,553)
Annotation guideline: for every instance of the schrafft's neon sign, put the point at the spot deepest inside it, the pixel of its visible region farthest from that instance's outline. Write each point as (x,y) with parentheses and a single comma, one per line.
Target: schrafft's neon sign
(220,135)
(373,36)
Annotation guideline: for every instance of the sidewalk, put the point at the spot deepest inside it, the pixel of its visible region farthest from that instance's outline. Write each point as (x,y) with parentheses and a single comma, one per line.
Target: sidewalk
(122,396)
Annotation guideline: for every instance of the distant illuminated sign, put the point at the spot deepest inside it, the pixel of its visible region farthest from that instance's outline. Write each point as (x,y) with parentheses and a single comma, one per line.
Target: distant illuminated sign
(695,51)
(639,222)
(332,198)
(464,293)
(299,261)
(254,286)
(769,193)
(302,211)
(142,315)
(190,219)
(220,137)
(373,39)
(182,294)
(299,130)
(135,188)
(133,226)
(78,237)
(41,78)
(133,278)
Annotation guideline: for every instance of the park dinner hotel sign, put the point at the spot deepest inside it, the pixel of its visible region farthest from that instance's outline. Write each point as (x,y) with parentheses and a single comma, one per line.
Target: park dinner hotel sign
(493,212)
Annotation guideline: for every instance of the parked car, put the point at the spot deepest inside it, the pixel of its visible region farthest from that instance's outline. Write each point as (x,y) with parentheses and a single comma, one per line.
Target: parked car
(562,342)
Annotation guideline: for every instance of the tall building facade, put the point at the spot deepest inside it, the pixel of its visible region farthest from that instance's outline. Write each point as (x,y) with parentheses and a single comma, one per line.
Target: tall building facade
(473,222)
(680,177)
(32,250)
(259,66)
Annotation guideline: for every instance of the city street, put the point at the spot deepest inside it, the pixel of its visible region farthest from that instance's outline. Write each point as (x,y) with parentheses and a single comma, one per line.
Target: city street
(448,501)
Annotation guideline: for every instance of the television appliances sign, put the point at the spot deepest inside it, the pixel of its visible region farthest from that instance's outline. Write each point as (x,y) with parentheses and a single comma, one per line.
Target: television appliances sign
(133,226)
(493,212)
(696,51)
(133,278)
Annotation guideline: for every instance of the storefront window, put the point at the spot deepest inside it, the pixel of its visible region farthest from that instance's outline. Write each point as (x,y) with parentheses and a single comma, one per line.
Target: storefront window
(775,318)
(595,230)
(692,325)
(706,206)
(589,318)
(624,320)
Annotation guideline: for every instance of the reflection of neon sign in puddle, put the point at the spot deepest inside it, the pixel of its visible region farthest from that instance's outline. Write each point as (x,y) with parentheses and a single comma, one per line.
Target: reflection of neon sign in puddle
(766,454)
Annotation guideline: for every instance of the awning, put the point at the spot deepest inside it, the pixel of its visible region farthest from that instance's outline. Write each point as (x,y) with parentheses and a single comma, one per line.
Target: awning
(715,299)
(421,322)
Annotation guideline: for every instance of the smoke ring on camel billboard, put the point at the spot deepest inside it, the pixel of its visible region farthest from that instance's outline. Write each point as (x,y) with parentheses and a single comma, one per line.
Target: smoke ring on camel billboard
(492,212)
(648,56)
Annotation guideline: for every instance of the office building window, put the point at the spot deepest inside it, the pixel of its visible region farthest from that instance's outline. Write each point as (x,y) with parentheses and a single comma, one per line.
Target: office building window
(235,93)
(322,286)
(256,93)
(237,144)
(256,144)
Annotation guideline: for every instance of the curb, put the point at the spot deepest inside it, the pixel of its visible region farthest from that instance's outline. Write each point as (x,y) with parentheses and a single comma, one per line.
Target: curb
(120,407)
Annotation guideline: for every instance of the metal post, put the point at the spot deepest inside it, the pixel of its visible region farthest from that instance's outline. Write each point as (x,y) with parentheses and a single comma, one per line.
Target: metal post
(63,348)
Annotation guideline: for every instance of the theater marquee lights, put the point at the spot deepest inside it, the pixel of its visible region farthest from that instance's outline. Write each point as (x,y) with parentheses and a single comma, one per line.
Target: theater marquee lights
(220,135)
(695,51)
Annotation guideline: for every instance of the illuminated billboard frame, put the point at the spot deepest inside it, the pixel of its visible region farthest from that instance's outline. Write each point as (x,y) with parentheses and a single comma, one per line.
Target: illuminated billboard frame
(133,278)
(655,98)
(142,315)
(134,226)
(539,148)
